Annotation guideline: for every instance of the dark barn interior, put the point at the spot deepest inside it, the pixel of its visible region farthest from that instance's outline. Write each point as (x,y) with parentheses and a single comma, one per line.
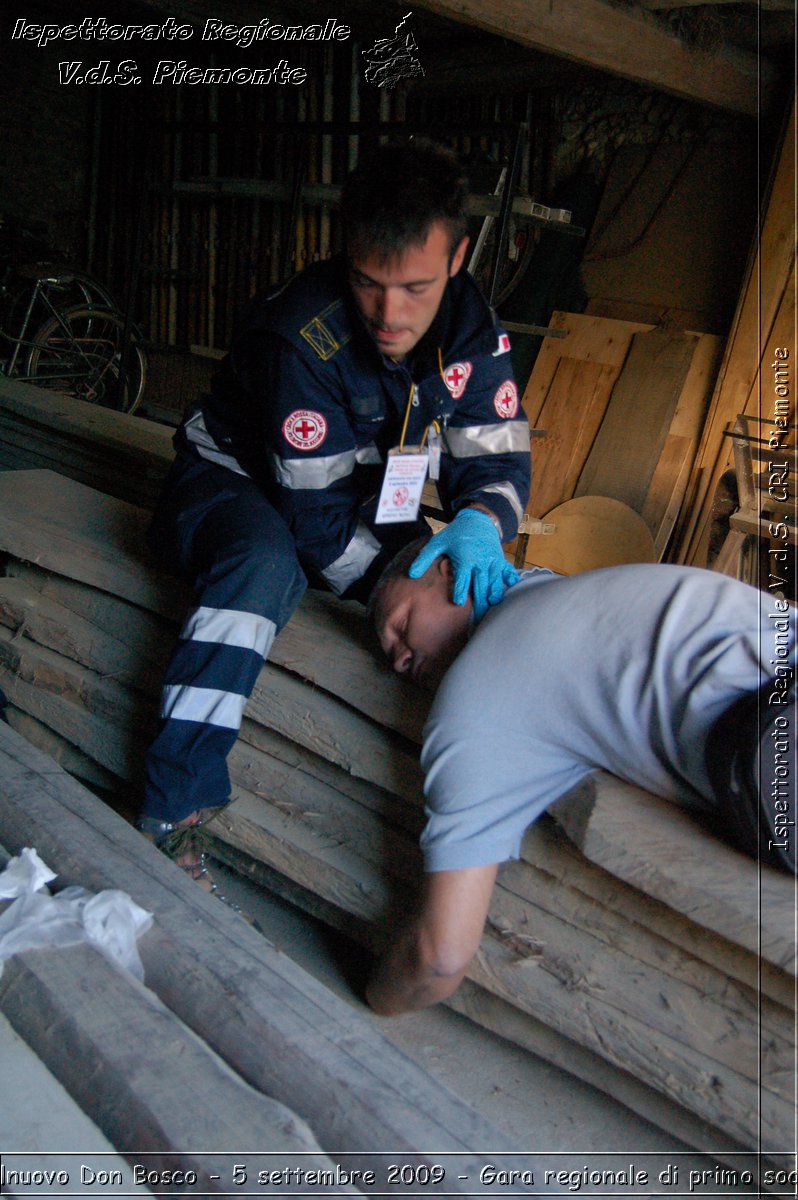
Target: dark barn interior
(632,180)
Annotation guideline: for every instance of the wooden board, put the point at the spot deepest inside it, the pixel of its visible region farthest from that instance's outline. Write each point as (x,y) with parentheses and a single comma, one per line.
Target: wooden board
(623,41)
(591,532)
(664,857)
(153,1086)
(628,446)
(764,320)
(571,398)
(373,675)
(279,1028)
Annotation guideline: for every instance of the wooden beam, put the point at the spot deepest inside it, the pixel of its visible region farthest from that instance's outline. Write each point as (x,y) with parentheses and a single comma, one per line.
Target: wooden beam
(281,1030)
(634,45)
(153,1087)
(765,5)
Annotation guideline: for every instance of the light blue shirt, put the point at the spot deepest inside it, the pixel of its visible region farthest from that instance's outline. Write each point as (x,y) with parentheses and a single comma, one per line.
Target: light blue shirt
(625,669)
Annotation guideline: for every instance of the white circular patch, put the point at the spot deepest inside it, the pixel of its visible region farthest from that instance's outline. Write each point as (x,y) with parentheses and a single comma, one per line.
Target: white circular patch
(456,377)
(506,400)
(304,429)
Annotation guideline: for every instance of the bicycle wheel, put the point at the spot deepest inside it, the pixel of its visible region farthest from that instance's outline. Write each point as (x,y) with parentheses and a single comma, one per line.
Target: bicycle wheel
(79,352)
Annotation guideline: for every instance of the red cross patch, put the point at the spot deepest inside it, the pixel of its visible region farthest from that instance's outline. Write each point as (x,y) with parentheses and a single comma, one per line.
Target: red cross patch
(506,400)
(304,429)
(456,377)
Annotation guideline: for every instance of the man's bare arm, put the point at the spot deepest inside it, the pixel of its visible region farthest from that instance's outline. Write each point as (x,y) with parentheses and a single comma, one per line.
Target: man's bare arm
(431,955)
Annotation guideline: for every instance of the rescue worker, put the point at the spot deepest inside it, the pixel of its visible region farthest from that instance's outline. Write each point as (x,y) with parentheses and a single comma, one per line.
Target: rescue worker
(298,468)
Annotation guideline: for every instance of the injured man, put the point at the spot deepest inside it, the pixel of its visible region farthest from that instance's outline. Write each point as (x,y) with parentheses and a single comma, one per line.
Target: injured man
(676,679)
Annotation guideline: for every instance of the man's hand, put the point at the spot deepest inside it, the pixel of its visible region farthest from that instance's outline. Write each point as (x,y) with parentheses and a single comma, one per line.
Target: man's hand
(428,959)
(472,544)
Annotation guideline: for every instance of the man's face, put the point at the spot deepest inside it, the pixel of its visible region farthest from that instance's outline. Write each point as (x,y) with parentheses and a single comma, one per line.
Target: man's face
(419,628)
(398,299)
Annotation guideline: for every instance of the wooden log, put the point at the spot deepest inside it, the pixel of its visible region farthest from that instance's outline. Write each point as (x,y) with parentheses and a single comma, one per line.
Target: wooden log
(153,1087)
(281,1030)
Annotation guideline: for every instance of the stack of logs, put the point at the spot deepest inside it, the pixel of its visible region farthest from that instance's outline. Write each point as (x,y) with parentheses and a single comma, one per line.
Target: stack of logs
(627,944)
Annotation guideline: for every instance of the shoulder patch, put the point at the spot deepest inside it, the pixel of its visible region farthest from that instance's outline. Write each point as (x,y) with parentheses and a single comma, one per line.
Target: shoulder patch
(456,377)
(305,429)
(506,400)
(320,333)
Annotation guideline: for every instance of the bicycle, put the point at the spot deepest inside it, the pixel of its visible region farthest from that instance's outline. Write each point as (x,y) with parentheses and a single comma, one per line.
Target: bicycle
(81,344)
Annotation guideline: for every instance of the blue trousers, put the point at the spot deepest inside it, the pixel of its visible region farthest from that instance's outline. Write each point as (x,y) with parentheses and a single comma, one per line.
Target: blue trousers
(750,757)
(218,530)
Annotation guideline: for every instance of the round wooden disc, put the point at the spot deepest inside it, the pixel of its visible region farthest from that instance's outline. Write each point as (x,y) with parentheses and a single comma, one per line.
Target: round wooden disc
(591,532)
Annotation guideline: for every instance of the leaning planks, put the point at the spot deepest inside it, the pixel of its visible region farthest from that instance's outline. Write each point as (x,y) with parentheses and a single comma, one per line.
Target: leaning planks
(328,794)
(622,406)
(763,323)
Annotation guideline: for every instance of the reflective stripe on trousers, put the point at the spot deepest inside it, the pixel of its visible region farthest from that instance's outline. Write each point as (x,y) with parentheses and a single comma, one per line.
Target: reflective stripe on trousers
(223,535)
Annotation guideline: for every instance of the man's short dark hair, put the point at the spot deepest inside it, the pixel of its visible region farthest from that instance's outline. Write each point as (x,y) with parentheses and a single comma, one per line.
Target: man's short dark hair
(399,566)
(395,195)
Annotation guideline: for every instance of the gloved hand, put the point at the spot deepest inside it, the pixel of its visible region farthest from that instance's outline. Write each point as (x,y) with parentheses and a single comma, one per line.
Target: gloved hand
(472,544)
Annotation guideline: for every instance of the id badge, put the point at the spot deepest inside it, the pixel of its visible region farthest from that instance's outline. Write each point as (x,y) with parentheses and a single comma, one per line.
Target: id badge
(402,485)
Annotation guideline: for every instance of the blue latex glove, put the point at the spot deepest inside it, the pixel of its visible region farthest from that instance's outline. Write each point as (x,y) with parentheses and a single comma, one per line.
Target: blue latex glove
(472,544)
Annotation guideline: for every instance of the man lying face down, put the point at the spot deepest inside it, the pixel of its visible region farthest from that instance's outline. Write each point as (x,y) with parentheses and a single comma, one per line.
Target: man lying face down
(669,677)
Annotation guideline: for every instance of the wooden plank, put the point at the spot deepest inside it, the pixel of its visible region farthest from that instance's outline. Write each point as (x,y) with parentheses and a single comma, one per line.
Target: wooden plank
(74,531)
(767,290)
(280,1029)
(280,701)
(110,702)
(623,41)
(64,752)
(588,339)
(653,845)
(558,975)
(548,849)
(153,1086)
(571,416)
(146,441)
(44,1124)
(82,544)
(641,409)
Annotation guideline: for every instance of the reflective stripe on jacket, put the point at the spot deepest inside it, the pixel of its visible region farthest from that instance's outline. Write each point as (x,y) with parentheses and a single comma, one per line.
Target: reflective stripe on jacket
(306,405)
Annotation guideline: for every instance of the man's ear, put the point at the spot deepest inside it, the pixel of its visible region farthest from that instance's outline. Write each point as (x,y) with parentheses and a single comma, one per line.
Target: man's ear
(446,574)
(458,257)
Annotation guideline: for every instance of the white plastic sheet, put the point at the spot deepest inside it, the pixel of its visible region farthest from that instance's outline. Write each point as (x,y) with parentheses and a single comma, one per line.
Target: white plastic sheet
(109,920)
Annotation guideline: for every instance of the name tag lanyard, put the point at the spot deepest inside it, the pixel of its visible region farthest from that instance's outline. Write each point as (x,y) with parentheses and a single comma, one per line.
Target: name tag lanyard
(406,468)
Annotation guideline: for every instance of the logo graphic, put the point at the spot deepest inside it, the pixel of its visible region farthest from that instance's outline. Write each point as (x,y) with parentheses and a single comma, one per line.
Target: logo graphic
(304,429)
(392,59)
(506,400)
(456,377)
(400,497)
(503,346)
